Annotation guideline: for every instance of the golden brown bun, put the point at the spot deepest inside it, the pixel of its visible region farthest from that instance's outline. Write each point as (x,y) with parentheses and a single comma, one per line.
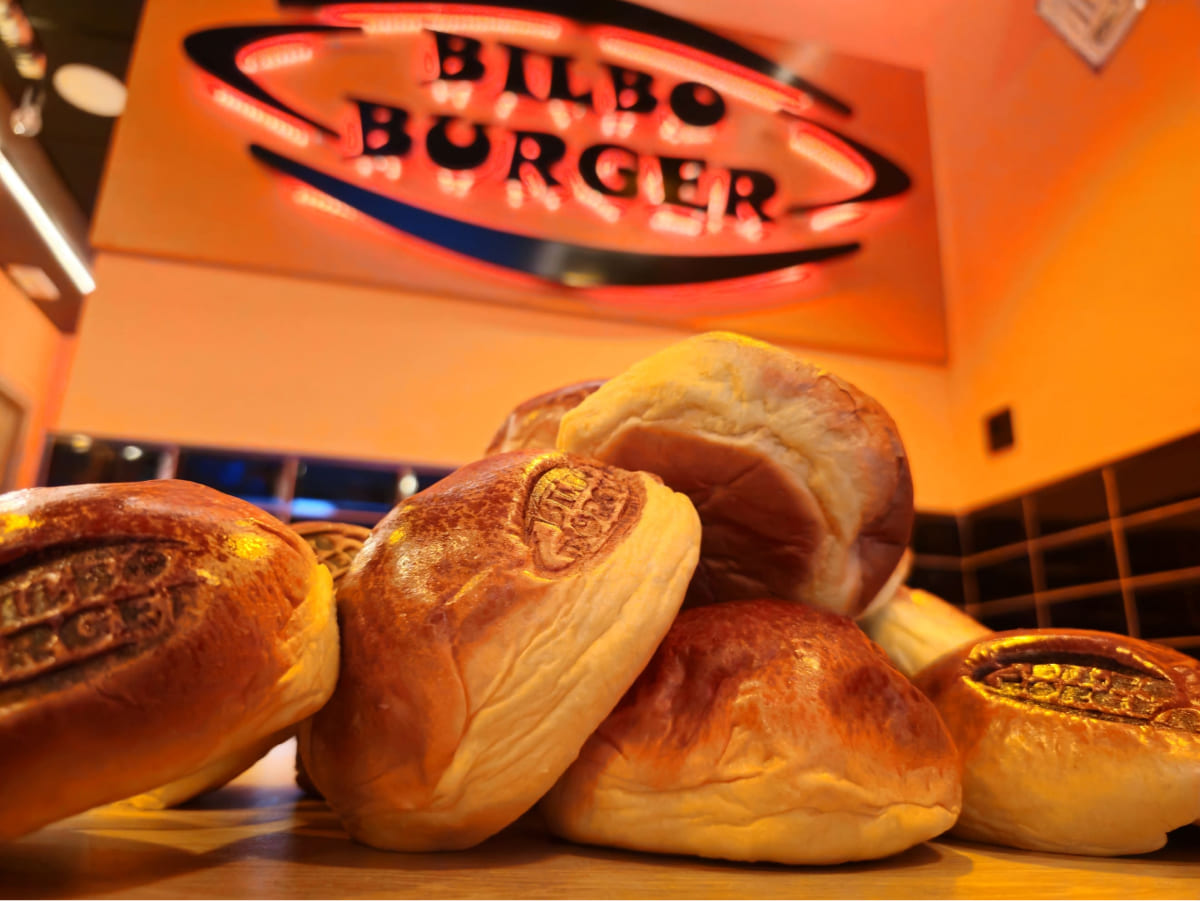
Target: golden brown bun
(800,479)
(533,425)
(489,625)
(1073,741)
(336,544)
(146,631)
(763,730)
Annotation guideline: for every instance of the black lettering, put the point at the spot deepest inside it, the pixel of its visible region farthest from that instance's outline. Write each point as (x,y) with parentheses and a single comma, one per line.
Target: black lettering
(450,155)
(560,82)
(516,81)
(458,57)
(632,90)
(549,150)
(383,129)
(750,187)
(589,170)
(697,104)
(674,180)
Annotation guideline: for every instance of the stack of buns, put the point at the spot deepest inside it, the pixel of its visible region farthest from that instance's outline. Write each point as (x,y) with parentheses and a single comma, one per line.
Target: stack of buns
(649,610)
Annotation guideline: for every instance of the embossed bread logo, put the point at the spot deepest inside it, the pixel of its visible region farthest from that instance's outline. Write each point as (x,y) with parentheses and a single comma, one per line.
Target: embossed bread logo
(1105,689)
(581,144)
(84,604)
(573,511)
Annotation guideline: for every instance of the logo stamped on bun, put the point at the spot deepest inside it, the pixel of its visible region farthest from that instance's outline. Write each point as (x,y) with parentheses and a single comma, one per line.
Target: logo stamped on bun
(573,512)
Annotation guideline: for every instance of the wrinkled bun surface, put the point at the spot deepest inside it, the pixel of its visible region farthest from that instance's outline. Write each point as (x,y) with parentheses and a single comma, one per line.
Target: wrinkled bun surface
(147,630)
(800,479)
(489,624)
(763,730)
(533,424)
(1073,741)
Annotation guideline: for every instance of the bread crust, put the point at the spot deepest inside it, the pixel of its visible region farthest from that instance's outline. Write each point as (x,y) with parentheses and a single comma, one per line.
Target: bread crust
(489,624)
(763,730)
(801,480)
(146,630)
(1073,741)
(533,424)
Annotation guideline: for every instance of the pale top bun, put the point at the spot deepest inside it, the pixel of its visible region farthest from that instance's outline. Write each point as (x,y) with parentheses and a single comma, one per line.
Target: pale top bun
(915,628)
(489,624)
(533,424)
(147,630)
(800,479)
(1073,741)
(763,731)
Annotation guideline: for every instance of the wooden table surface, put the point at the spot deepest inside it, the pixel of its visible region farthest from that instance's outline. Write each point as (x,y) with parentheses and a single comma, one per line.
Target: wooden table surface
(259,837)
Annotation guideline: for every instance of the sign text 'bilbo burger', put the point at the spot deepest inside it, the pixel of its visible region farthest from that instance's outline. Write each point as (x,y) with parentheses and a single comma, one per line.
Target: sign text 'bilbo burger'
(560,124)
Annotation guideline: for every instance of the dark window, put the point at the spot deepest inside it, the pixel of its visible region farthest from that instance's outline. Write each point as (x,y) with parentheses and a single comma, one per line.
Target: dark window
(340,487)
(79,460)
(254,479)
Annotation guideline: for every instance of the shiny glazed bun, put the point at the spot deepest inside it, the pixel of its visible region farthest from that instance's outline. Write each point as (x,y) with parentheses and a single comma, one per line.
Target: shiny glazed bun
(763,730)
(148,631)
(800,479)
(1073,741)
(489,624)
(533,424)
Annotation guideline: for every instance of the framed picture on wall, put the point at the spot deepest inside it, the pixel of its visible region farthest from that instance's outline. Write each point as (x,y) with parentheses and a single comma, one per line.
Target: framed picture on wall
(12,429)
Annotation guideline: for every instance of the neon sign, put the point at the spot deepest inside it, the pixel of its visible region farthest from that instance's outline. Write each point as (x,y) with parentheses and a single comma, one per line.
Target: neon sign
(501,124)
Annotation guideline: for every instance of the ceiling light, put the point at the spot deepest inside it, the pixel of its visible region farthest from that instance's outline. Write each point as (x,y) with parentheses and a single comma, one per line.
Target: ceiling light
(132,452)
(66,255)
(90,89)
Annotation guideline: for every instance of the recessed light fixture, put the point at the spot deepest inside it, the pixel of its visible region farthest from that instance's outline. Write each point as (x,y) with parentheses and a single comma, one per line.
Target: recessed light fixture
(66,255)
(34,281)
(90,89)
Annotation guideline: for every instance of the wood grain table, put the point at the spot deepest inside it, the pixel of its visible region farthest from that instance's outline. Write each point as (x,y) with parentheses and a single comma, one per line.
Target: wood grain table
(260,837)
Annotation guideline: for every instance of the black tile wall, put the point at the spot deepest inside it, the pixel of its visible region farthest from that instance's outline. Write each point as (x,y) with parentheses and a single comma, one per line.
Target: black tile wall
(1073,502)
(936,533)
(1000,621)
(1168,611)
(947,584)
(1160,476)
(1007,579)
(1105,612)
(1164,544)
(995,526)
(1092,560)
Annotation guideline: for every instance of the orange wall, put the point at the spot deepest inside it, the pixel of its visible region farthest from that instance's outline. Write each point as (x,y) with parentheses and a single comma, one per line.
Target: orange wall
(33,361)
(186,353)
(1070,205)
